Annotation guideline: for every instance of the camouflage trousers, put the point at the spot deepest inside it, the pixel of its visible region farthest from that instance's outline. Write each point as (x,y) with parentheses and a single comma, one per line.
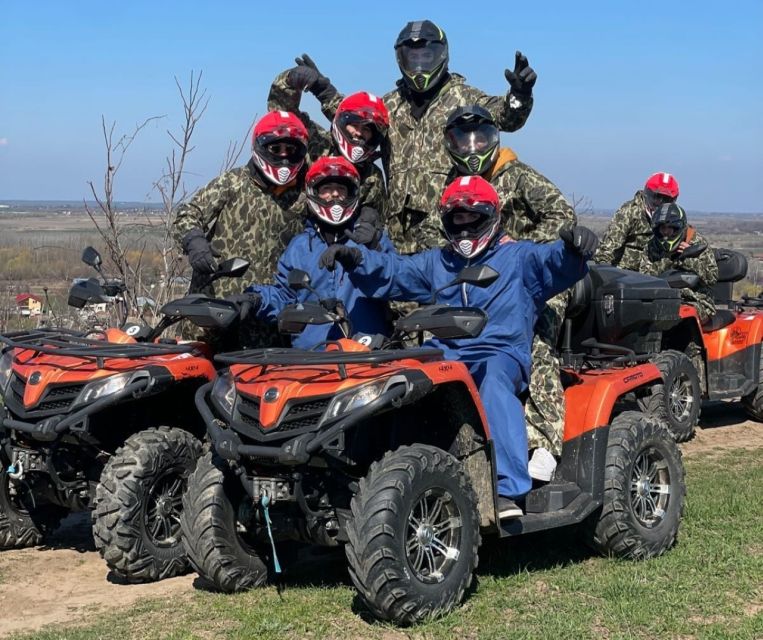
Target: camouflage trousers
(544,409)
(703,303)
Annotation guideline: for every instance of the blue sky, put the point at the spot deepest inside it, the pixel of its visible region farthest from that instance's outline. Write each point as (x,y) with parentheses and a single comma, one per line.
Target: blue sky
(624,88)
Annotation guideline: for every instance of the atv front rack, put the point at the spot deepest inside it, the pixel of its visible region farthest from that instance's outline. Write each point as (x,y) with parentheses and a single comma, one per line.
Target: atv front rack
(63,342)
(305,357)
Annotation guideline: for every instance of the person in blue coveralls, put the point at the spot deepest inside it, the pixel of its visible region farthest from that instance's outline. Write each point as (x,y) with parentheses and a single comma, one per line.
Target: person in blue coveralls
(498,359)
(332,186)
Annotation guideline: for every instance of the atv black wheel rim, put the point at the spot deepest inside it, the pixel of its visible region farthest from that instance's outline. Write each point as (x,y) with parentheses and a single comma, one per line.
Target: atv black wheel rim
(163,507)
(681,398)
(650,488)
(433,536)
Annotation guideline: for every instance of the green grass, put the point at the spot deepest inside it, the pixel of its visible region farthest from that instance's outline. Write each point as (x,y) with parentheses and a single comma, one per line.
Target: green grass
(709,586)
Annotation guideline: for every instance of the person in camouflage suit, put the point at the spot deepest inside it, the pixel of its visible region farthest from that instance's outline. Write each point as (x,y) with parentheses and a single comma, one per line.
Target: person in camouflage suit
(630,229)
(285,94)
(532,208)
(414,156)
(672,235)
(250,212)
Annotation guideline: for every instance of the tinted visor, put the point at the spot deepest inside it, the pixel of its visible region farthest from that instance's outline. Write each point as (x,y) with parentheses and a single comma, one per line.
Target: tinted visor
(473,229)
(358,124)
(281,151)
(655,200)
(471,139)
(422,56)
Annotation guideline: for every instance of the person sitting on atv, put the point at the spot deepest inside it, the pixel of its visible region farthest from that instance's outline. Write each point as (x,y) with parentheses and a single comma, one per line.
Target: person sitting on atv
(334,216)
(359,125)
(533,208)
(630,229)
(499,359)
(672,235)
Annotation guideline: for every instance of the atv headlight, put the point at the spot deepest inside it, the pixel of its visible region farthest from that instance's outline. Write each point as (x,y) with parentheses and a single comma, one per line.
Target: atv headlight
(6,369)
(224,393)
(360,396)
(107,386)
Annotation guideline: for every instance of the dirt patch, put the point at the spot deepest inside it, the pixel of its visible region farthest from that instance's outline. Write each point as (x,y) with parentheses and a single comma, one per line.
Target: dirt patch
(724,427)
(68,582)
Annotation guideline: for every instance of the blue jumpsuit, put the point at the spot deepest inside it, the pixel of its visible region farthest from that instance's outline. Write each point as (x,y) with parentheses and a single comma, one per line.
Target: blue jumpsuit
(303,252)
(498,359)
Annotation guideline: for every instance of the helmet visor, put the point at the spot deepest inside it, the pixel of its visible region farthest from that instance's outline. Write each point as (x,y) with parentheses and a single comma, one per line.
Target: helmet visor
(655,200)
(471,139)
(359,130)
(421,56)
(281,151)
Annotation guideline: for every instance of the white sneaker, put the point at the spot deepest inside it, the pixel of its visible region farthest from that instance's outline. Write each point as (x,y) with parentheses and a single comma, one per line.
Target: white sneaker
(542,465)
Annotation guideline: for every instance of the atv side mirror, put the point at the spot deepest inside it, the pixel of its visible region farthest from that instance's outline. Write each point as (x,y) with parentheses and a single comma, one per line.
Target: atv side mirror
(693,251)
(90,256)
(680,279)
(232,268)
(479,275)
(82,293)
(298,279)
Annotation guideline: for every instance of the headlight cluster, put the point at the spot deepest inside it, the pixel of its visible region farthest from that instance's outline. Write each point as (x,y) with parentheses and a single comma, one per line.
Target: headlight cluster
(108,386)
(6,369)
(361,395)
(224,393)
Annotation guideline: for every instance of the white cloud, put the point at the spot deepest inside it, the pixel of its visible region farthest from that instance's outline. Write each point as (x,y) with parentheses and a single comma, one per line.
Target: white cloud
(3,142)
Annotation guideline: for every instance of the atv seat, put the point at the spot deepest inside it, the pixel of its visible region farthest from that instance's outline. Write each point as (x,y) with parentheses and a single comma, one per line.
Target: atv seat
(722,318)
(732,267)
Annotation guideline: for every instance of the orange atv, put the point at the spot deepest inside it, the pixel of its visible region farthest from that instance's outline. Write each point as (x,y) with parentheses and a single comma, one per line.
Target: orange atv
(105,421)
(387,451)
(724,354)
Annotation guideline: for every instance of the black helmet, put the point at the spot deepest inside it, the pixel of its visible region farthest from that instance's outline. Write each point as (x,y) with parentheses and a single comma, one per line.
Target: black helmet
(472,139)
(422,54)
(672,215)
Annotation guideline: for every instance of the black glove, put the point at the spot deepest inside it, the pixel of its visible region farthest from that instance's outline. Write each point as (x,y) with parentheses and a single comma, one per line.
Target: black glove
(348,257)
(248,302)
(200,253)
(302,77)
(580,239)
(523,78)
(367,229)
(320,83)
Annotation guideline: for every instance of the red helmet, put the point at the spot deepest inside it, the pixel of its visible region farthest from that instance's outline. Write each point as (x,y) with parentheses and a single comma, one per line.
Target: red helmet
(333,209)
(470,194)
(659,189)
(284,129)
(357,110)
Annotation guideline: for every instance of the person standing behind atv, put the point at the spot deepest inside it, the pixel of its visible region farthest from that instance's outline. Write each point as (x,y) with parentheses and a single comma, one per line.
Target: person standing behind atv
(357,129)
(532,208)
(630,229)
(672,235)
(332,185)
(414,157)
(499,359)
(251,211)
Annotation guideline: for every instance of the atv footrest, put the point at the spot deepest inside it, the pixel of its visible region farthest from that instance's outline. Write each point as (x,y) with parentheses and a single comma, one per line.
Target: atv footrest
(574,513)
(551,497)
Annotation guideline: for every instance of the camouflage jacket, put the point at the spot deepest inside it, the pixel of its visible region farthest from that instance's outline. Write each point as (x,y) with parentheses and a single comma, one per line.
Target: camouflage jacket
(628,233)
(655,260)
(243,218)
(373,189)
(532,207)
(416,161)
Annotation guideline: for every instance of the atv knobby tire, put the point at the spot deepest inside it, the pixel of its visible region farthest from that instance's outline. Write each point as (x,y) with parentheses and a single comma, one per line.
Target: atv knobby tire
(414,535)
(210,532)
(136,521)
(677,399)
(753,402)
(22,524)
(644,490)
